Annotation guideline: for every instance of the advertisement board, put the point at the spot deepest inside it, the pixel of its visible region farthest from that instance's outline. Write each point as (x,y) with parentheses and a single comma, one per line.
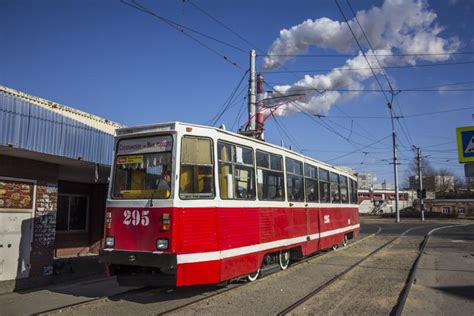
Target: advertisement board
(16,194)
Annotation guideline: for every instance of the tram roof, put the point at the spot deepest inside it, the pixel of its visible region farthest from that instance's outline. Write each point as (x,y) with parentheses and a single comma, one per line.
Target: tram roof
(181,126)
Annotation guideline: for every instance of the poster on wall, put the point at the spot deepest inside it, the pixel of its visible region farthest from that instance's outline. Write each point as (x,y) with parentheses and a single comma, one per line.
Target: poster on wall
(16,194)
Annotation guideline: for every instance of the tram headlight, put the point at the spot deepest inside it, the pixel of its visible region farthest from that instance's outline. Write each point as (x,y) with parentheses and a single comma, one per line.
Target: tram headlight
(109,242)
(162,244)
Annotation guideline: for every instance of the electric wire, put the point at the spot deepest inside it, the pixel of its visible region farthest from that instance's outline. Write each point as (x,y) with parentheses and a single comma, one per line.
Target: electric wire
(366,68)
(357,123)
(355,55)
(178,27)
(321,90)
(239,114)
(287,134)
(363,53)
(228,101)
(355,151)
(221,23)
(319,122)
(404,116)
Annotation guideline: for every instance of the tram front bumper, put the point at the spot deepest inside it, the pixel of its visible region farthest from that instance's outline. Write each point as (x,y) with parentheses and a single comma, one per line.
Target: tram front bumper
(138,258)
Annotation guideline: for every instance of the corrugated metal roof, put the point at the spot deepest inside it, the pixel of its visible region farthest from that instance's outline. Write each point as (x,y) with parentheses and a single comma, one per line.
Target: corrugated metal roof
(83,117)
(35,124)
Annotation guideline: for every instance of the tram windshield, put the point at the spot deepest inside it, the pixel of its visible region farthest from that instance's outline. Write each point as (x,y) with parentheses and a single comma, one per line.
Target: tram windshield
(143,168)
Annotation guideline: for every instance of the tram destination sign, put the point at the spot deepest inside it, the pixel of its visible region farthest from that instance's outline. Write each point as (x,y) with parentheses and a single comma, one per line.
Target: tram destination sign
(144,145)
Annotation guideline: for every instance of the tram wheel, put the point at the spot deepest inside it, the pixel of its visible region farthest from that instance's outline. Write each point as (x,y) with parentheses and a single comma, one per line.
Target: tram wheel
(284,259)
(344,241)
(334,247)
(253,276)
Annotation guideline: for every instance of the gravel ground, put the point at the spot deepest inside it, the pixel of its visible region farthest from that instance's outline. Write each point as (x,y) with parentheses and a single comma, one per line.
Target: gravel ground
(372,288)
(268,295)
(274,293)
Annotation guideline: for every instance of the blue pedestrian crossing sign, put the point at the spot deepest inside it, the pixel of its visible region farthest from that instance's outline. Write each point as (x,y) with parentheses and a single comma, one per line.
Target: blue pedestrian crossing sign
(465,139)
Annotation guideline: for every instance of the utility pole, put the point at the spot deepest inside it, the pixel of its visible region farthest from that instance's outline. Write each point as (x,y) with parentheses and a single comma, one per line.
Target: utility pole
(252,99)
(395,161)
(420,183)
(260,117)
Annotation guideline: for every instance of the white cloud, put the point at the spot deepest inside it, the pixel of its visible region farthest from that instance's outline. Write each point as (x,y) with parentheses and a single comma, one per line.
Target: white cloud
(397,27)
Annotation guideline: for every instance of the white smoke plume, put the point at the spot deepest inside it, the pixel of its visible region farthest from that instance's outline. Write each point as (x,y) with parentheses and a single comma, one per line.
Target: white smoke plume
(397,27)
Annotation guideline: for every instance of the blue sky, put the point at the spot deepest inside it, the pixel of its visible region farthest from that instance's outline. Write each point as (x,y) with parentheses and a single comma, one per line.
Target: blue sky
(114,61)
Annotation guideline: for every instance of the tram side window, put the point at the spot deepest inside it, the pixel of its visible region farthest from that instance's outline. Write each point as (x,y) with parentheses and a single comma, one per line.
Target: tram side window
(270,177)
(236,172)
(324,186)
(354,192)
(311,183)
(196,179)
(335,193)
(294,180)
(344,189)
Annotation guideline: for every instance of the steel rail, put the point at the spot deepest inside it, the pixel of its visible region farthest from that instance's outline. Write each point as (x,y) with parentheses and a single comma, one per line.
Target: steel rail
(398,309)
(92,300)
(307,259)
(337,277)
(231,285)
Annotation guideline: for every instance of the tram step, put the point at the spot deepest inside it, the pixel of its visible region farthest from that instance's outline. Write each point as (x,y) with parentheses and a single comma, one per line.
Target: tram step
(269,269)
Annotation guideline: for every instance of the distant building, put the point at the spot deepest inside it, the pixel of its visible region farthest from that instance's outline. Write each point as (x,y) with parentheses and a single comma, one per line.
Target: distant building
(375,201)
(365,180)
(434,183)
(459,207)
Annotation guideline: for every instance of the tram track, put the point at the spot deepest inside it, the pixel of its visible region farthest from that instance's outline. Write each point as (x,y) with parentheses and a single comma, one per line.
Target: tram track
(91,301)
(398,309)
(293,265)
(232,285)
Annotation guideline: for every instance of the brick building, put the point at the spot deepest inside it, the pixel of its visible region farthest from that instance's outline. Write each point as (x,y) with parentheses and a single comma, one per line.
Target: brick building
(54,168)
(457,207)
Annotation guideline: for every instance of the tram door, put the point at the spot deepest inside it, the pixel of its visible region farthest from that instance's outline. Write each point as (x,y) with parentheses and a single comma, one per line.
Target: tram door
(308,219)
(312,222)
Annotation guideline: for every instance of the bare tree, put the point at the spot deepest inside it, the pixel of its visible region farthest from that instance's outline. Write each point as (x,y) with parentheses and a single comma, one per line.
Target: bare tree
(412,171)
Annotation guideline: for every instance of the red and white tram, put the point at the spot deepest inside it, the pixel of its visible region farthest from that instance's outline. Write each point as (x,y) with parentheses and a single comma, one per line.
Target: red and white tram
(191,204)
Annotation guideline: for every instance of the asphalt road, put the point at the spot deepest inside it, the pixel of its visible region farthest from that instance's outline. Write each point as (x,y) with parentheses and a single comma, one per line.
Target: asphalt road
(445,275)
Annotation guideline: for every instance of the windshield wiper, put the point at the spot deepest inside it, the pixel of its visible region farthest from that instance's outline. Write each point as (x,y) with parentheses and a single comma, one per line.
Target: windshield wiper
(151,198)
(153,192)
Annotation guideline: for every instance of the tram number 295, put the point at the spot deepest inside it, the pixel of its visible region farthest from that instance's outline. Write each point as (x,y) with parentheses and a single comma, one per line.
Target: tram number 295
(136,217)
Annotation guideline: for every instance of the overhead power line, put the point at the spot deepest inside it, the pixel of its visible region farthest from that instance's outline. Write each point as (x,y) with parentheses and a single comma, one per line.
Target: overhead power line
(396,117)
(366,68)
(359,149)
(183,29)
(227,103)
(322,90)
(221,24)
(355,55)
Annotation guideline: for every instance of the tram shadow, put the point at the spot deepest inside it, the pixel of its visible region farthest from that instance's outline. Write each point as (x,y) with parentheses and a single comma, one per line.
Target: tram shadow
(107,287)
(182,295)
